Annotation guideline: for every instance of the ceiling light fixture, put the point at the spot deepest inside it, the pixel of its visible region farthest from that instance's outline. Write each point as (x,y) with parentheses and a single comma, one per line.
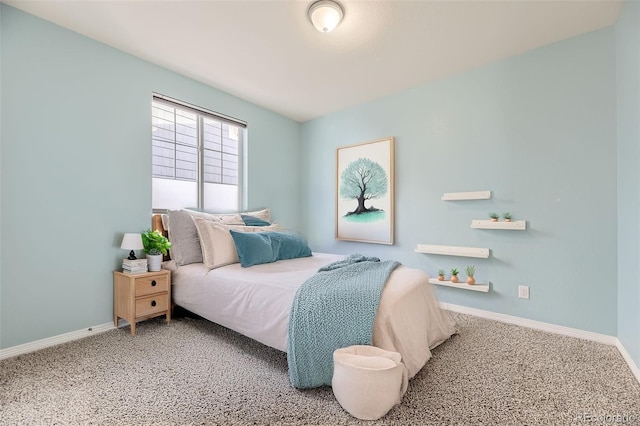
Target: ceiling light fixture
(325,15)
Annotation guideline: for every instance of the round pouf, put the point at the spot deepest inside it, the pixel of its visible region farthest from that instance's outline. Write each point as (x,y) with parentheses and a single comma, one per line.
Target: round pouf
(368,381)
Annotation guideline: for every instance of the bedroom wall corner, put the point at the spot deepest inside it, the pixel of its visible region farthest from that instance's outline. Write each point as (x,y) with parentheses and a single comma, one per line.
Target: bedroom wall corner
(628,127)
(539,130)
(274,168)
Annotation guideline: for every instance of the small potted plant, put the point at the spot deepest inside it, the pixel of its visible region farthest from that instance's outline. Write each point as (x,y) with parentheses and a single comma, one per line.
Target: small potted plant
(440,274)
(155,246)
(494,217)
(454,275)
(506,217)
(471,270)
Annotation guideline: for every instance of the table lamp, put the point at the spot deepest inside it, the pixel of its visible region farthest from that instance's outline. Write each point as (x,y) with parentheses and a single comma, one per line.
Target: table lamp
(132,242)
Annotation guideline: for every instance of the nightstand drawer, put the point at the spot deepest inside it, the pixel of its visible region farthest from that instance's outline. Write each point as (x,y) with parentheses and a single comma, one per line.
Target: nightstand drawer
(151,285)
(151,305)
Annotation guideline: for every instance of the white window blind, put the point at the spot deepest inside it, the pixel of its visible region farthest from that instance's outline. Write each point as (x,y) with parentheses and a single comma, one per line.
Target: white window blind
(196,157)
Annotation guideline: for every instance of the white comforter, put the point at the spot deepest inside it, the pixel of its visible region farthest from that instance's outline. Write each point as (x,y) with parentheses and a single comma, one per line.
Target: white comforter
(256,302)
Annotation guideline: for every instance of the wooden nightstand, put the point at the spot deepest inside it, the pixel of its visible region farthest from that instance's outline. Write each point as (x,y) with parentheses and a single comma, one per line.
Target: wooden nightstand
(141,296)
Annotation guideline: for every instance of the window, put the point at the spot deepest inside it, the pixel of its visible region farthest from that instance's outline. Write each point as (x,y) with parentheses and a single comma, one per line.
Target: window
(196,157)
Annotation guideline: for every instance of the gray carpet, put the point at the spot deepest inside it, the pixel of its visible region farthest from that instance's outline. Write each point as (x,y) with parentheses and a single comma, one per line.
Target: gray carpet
(193,372)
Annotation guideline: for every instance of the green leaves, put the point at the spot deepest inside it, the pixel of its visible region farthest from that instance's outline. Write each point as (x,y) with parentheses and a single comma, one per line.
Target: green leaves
(154,240)
(471,270)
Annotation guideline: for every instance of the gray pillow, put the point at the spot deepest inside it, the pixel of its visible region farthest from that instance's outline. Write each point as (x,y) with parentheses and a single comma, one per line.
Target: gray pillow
(183,234)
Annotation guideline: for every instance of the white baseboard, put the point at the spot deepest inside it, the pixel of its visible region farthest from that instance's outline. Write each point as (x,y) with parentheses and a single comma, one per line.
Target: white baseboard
(55,340)
(551,328)
(632,365)
(524,322)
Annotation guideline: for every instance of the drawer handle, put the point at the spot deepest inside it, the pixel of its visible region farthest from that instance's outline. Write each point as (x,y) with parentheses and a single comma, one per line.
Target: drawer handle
(153,303)
(153,283)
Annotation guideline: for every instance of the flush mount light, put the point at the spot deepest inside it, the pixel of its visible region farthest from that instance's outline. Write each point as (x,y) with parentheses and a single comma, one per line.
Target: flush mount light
(325,15)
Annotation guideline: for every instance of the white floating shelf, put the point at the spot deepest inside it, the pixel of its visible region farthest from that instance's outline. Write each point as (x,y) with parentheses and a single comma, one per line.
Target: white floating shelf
(458,196)
(453,251)
(484,288)
(518,225)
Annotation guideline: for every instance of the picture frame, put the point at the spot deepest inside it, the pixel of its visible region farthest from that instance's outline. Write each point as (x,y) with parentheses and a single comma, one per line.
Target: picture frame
(365,192)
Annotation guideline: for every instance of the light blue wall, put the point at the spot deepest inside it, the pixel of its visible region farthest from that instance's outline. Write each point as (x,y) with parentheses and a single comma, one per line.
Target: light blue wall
(539,130)
(76,170)
(628,86)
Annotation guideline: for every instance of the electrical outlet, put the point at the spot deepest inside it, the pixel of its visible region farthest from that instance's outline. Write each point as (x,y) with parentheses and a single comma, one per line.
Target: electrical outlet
(523,291)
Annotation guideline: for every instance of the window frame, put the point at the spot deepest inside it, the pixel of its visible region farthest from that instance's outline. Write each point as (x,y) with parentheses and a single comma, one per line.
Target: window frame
(201,114)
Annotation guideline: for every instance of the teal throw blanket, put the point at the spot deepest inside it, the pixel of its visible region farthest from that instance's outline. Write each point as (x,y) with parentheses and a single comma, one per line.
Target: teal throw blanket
(333,309)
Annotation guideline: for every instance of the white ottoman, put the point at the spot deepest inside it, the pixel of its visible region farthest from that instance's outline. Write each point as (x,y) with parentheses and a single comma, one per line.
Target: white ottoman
(368,381)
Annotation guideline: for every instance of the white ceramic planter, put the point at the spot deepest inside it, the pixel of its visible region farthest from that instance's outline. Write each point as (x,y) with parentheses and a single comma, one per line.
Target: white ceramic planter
(154,262)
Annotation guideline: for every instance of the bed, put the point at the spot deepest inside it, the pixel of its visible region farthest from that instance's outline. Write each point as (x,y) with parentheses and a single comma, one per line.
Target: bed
(256,301)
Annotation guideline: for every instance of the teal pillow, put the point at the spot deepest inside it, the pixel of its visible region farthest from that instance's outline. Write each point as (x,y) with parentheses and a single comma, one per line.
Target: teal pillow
(253,221)
(255,248)
(291,245)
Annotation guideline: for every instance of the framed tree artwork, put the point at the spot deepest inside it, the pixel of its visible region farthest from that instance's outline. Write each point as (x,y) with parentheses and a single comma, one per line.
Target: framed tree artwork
(364,192)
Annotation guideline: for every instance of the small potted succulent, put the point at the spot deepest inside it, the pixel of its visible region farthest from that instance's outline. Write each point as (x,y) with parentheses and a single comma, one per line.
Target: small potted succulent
(440,274)
(494,217)
(454,275)
(471,271)
(155,246)
(506,217)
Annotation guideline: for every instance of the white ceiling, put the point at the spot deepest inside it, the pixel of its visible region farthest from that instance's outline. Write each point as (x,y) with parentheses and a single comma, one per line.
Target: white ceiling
(267,52)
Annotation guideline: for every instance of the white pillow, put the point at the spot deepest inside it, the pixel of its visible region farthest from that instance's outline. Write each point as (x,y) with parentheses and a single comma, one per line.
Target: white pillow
(264,214)
(232,219)
(216,242)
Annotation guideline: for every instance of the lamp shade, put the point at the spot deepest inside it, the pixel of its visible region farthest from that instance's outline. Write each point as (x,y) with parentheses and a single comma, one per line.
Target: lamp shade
(325,15)
(132,242)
